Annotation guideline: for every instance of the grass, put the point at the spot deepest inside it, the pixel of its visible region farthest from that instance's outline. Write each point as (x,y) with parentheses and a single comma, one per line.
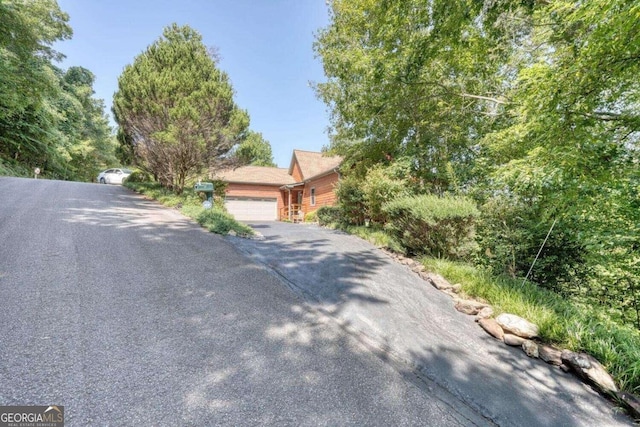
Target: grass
(216,219)
(562,322)
(374,235)
(8,168)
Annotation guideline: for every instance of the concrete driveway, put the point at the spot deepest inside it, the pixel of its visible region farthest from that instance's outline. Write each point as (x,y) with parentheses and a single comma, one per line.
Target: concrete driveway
(411,324)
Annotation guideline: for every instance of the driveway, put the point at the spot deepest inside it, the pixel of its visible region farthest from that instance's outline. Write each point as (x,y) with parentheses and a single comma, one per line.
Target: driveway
(407,322)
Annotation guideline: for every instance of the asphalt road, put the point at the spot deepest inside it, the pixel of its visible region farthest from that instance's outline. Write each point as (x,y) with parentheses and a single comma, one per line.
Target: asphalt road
(397,313)
(126,313)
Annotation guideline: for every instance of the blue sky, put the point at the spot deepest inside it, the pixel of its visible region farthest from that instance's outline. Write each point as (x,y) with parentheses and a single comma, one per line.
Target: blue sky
(265,47)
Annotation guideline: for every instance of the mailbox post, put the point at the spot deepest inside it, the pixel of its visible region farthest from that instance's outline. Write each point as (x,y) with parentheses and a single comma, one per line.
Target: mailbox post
(207,189)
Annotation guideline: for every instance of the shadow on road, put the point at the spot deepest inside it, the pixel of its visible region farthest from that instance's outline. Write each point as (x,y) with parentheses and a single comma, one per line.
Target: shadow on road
(410,323)
(316,268)
(125,312)
(169,324)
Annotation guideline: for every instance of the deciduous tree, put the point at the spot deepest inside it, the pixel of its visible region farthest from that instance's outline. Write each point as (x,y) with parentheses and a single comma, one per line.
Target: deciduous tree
(419,78)
(85,125)
(254,150)
(28,81)
(569,152)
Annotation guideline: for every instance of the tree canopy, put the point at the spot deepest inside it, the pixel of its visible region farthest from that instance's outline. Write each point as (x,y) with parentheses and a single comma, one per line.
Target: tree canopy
(48,117)
(176,108)
(415,78)
(254,150)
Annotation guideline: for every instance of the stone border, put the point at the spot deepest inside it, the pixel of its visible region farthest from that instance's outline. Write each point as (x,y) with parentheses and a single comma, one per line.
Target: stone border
(515,331)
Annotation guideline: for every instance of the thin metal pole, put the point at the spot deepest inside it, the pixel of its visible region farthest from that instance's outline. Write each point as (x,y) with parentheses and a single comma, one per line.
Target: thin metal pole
(539,251)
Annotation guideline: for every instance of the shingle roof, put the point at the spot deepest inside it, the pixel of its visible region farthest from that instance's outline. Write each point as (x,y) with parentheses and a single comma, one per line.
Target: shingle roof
(313,164)
(256,175)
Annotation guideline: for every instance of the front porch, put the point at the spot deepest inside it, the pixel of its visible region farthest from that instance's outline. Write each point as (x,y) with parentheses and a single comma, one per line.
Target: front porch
(292,195)
(293,213)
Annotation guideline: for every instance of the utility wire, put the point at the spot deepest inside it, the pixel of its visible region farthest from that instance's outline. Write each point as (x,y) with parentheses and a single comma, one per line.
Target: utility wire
(539,251)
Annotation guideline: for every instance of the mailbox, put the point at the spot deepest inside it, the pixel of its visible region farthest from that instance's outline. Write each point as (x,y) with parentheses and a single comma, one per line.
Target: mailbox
(207,189)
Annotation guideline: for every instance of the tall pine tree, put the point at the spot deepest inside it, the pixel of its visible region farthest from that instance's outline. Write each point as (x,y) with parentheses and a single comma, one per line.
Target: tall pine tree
(176,108)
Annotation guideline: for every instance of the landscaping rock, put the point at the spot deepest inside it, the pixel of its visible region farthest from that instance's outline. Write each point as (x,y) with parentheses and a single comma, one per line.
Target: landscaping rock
(438,281)
(492,328)
(469,307)
(517,325)
(550,354)
(570,358)
(232,233)
(407,261)
(485,313)
(451,293)
(513,340)
(425,276)
(530,348)
(417,268)
(457,288)
(631,402)
(588,368)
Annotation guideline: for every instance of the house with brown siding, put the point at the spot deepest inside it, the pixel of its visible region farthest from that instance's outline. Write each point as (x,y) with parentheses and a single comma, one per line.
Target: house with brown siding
(256,193)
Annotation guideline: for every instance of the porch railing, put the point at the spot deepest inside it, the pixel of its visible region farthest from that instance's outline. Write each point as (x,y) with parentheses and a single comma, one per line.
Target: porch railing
(294,214)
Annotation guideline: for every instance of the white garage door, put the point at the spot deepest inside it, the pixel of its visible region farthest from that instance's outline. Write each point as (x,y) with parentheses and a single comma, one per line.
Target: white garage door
(249,209)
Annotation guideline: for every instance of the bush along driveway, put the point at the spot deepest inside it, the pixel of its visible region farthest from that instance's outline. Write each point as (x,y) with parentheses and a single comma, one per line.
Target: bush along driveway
(394,311)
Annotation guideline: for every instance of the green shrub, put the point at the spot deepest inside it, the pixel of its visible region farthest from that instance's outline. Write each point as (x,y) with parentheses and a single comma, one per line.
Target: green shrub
(380,186)
(139,176)
(311,217)
(591,255)
(437,226)
(220,222)
(328,215)
(511,232)
(351,201)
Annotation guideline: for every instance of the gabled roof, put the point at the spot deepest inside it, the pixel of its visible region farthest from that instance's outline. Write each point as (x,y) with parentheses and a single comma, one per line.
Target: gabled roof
(256,175)
(313,164)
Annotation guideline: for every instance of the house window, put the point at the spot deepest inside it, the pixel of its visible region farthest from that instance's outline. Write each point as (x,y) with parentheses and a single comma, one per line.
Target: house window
(313,196)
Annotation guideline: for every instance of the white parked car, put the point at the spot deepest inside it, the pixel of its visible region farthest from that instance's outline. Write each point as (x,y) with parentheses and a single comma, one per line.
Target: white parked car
(113,176)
